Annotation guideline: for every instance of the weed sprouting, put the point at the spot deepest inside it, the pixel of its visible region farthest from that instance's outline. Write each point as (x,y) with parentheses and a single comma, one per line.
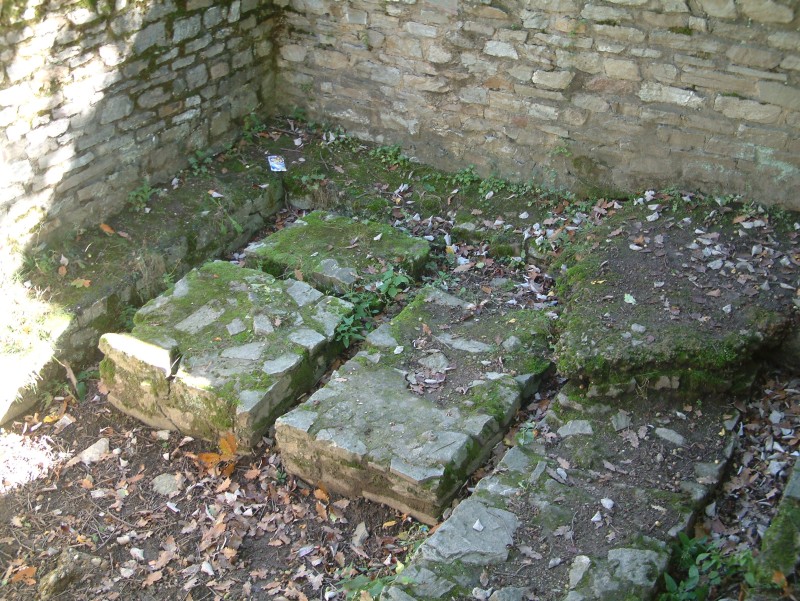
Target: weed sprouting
(702,570)
(138,198)
(390,156)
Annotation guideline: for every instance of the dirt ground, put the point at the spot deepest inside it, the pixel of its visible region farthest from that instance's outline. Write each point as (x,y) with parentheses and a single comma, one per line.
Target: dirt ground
(227,526)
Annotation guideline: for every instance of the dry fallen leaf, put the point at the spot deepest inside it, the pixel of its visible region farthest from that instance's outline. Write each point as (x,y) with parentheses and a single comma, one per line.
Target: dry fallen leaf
(107,228)
(152,579)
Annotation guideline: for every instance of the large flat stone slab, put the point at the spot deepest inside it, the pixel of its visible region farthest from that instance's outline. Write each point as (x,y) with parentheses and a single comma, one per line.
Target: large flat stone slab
(420,407)
(673,304)
(337,253)
(227,349)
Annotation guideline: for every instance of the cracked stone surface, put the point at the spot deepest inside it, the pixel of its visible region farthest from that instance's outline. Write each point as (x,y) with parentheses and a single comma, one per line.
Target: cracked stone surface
(228,349)
(413,414)
(480,538)
(336,253)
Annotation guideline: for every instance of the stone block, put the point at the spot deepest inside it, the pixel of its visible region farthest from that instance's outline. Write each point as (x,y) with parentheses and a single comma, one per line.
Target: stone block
(152,35)
(500,49)
(421,30)
(389,425)
(753,57)
(749,110)
(766,11)
(780,94)
(723,9)
(655,92)
(183,29)
(320,247)
(621,69)
(554,80)
(228,349)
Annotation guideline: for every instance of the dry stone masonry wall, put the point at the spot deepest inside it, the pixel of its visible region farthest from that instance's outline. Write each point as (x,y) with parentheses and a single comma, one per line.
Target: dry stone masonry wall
(594,94)
(97,97)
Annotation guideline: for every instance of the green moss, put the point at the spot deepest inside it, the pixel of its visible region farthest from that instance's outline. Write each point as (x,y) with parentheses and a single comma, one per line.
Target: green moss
(682,30)
(781,544)
(108,370)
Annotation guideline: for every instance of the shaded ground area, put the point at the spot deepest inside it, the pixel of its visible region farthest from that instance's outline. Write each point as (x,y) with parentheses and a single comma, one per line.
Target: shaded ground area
(173,518)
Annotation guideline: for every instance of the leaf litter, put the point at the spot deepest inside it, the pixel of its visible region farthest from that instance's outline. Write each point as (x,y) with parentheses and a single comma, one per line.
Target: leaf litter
(241,527)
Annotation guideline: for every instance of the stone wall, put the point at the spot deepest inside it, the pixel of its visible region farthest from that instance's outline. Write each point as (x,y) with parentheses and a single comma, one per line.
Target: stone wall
(98,97)
(617,94)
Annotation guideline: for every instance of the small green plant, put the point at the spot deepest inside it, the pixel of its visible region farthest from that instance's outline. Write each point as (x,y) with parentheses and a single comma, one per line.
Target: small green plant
(492,184)
(373,586)
(224,229)
(200,162)
(354,327)
(702,570)
(138,198)
(311,181)
(253,126)
(464,178)
(561,151)
(390,156)
(349,330)
(392,283)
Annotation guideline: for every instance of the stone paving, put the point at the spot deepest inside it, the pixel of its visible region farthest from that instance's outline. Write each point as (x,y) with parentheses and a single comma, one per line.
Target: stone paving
(420,407)
(227,349)
(338,253)
(622,548)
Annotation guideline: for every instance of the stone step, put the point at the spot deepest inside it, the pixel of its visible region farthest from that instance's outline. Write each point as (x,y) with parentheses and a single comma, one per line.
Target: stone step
(336,253)
(185,228)
(420,407)
(227,349)
(597,529)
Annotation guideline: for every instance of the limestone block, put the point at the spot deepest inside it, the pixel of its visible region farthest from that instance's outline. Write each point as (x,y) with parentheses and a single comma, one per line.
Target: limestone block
(198,361)
(724,9)
(500,49)
(654,92)
(780,94)
(320,246)
(767,11)
(555,80)
(750,110)
(389,427)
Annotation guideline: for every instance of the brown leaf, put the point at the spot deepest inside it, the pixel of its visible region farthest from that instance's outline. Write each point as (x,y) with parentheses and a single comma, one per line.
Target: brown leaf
(464,267)
(298,275)
(107,228)
(152,579)
(125,235)
(80,283)
(62,270)
(321,511)
(426,329)
(227,446)
(25,574)
(252,473)
(321,495)
(210,460)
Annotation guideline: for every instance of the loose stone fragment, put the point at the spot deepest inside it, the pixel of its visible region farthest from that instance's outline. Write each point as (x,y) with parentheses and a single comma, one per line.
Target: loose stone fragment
(670,436)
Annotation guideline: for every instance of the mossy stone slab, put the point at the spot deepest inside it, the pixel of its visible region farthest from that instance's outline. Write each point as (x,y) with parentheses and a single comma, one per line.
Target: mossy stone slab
(337,253)
(414,413)
(683,312)
(226,349)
